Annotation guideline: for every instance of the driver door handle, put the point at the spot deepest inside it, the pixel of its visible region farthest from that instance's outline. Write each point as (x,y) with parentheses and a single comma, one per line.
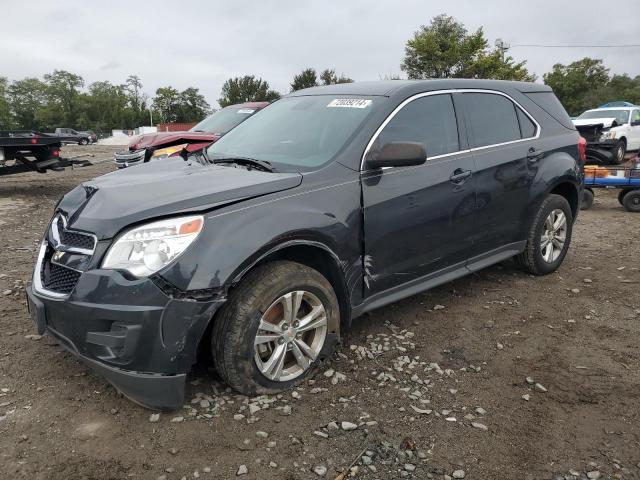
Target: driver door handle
(459,175)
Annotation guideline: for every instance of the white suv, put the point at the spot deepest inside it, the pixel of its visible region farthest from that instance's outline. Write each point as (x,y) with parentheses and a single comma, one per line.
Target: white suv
(613,128)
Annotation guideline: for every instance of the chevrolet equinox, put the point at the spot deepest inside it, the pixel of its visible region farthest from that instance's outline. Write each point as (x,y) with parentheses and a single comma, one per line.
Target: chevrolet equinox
(331,202)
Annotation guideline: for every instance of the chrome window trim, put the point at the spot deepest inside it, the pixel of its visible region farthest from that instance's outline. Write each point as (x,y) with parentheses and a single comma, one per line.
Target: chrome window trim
(448,92)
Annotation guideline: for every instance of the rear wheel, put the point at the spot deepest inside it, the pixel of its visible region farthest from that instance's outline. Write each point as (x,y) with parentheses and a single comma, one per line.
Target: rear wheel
(621,195)
(549,237)
(587,199)
(276,327)
(631,201)
(83,141)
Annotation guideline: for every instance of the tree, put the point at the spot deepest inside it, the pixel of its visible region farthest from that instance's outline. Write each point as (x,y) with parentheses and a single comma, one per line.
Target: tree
(328,77)
(246,89)
(445,49)
(63,92)
(193,107)
(6,120)
(305,79)
(27,98)
(579,85)
(166,104)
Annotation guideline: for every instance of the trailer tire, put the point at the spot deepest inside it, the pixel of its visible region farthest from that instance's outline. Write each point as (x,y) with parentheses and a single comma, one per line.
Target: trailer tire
(621,195)
(631,201)
(587,199)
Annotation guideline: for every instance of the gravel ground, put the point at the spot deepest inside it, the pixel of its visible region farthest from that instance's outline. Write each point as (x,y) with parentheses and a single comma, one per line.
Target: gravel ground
(499,375)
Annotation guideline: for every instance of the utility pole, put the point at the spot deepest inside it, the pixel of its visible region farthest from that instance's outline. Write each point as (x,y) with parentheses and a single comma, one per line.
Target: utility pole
(502,46)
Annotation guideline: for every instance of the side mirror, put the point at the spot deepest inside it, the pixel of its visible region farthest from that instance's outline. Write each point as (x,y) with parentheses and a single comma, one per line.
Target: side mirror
(398,154)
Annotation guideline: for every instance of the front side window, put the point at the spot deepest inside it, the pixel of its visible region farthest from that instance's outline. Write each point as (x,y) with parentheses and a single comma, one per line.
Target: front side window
(635,116)
(492,119)
(430,120)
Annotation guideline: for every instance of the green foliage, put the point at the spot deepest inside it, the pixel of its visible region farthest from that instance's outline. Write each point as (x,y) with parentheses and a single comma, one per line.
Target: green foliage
(6,121)
(445,49)
(166,104)
(27,98)
(192,107)
(305,79)
(586,84)
(246,89)
(328,77)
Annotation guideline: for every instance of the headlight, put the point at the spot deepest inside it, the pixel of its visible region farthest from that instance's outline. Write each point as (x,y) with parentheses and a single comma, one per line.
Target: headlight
(167,152)
(146,249)
(610,135)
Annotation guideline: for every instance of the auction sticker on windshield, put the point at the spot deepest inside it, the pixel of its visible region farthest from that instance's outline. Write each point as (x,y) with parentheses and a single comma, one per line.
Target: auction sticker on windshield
(349,103)
(245,110)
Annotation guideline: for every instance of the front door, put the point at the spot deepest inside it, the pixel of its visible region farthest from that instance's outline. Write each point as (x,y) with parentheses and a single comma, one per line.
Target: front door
(418,220)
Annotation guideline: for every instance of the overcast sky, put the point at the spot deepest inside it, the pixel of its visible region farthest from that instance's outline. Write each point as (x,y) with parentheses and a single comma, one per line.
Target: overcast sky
(201,43)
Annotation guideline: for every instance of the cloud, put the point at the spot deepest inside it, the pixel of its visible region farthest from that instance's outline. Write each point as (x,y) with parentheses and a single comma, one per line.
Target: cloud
(201,43)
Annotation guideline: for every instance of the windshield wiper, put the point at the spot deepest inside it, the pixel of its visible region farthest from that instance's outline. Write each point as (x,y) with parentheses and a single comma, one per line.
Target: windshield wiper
(261,164)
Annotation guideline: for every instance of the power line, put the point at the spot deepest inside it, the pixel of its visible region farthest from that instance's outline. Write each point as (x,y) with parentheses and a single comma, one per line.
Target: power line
(574,46)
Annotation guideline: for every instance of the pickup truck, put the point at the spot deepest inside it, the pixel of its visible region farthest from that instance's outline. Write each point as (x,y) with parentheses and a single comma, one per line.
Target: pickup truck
(154,146)
(69,135)
(610,132)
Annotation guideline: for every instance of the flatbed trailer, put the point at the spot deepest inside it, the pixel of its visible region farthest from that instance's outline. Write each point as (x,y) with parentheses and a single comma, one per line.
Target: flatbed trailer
(27,150)
(625,179)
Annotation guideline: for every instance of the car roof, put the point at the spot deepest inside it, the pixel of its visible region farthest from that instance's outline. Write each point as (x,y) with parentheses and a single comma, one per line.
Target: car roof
(392,87)
(612,108)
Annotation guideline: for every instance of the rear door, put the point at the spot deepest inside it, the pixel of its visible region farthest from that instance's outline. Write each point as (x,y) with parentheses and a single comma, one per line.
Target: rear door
(503,139)
(418,220)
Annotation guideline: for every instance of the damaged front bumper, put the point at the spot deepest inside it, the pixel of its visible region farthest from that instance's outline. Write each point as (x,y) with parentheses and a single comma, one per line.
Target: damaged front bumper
(143,340)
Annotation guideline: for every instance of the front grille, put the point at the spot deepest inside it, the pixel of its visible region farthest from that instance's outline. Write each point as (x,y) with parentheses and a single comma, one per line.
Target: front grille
(58,278)
(76,240)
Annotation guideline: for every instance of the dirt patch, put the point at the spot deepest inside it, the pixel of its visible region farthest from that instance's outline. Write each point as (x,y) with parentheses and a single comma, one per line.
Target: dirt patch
(429,391)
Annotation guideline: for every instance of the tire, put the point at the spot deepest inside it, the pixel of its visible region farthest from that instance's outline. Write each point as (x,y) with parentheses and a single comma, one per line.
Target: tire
(619,151)
(254,303)
(532,259)
(83,141)
(621,195)
(631,201)
(587,199)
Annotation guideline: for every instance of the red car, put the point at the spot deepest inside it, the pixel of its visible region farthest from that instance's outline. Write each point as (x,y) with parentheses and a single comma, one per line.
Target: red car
(154,146)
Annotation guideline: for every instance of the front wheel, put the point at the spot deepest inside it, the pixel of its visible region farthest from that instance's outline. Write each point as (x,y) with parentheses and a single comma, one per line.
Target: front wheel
(619,151)
(276,327)
(549,237)
(83,141)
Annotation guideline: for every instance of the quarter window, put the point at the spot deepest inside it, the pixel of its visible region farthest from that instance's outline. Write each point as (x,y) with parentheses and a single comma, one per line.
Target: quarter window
(527,127)
(492,119)
(430,120)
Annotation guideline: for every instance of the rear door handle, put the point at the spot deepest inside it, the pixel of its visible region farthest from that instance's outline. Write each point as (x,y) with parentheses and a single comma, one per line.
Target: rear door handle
(459,175)
(534,155)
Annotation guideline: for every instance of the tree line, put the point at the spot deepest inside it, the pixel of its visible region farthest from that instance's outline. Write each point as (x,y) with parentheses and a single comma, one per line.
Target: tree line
(444,48)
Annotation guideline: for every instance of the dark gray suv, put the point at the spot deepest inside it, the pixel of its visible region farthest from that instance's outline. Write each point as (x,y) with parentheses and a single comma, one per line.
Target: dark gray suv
(331,202)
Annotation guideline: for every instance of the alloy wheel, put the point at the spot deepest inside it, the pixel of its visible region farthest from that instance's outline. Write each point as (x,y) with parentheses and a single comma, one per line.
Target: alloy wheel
(554,236)
(290,336)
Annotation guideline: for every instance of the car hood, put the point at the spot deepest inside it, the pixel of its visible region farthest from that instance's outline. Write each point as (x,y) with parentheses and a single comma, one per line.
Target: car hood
(107,204)
(594,122)
(164,138)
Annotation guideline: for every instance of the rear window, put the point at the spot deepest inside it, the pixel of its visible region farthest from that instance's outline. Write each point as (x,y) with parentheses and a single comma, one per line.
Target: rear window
(492,119)
(550,104)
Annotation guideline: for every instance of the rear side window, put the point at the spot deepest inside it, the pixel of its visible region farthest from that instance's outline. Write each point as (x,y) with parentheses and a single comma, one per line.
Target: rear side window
(527,127)
(430,120)
(492,119)
(550,104)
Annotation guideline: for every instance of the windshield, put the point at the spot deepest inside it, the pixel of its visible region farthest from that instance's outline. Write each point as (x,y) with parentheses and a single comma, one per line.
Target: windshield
(621,116)
(223,120)
(302,132)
